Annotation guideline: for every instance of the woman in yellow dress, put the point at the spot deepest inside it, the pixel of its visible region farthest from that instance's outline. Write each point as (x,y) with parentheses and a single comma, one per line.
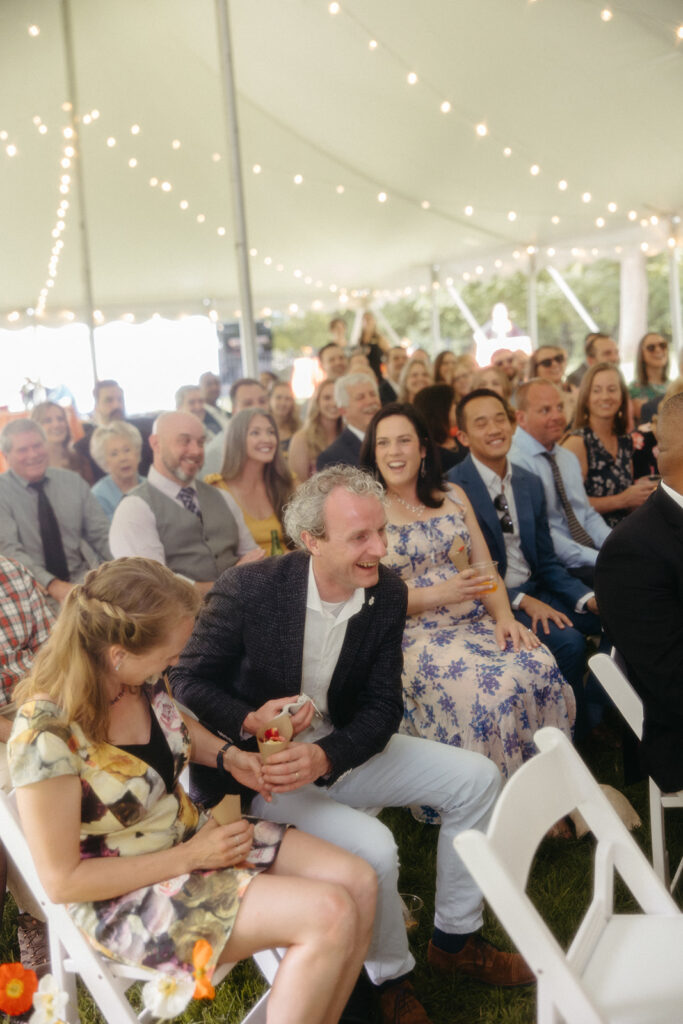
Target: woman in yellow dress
(255,475)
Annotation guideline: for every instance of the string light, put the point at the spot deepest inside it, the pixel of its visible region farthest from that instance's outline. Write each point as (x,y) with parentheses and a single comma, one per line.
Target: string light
(654,220)
(512,215)
(11,149)
(481,129)
(562,185)
(469,210)
(298,179)
(445,107)
(256,169)
(586,197)
(154,182)
(632,215)
(166,186)
(135,129)
(373,44)
(183,204)
(111,141)
(411,78)
(334,8)
(132,162)
(216,157)
(600,222)
(339,190)
(612,207)
(606,14)
(534,170)
(679,32)
(507,151)
(555,219)
(33,30)
(200,218)
(425,204)
(220,231)
(175,144)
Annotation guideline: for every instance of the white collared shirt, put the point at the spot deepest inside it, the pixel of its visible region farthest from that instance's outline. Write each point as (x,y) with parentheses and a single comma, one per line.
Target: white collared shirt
(360,434)
(324,634)
(518,571)
(674,495)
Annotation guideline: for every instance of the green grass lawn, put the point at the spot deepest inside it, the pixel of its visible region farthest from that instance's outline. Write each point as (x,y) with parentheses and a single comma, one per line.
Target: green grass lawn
(560,886)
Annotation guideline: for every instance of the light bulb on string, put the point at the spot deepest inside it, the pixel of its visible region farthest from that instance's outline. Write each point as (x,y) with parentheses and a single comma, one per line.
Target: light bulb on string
(481,129)
(411,78)
(445,107)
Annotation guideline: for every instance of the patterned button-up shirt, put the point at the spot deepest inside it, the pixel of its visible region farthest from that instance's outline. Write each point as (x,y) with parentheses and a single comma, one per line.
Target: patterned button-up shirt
(25,621)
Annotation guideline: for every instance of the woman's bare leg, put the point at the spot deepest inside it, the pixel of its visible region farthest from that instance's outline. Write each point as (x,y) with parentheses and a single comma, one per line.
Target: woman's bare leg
(305,856)
(318,923)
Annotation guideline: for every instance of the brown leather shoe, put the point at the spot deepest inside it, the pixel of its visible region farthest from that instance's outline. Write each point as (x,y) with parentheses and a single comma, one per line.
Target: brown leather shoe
(399,1005)
(484,962)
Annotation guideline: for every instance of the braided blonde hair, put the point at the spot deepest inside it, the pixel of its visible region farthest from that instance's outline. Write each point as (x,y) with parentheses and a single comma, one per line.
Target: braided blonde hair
(131,602)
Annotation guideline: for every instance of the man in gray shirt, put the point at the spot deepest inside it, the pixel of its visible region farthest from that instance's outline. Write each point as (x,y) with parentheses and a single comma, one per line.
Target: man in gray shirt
(49,520)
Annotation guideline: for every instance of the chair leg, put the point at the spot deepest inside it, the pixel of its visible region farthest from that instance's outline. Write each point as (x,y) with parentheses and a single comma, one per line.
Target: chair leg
(660,857)
(546,1011)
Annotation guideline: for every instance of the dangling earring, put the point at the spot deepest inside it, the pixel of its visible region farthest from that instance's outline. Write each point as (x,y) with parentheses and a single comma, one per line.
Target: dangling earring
(423,471)
(118,666)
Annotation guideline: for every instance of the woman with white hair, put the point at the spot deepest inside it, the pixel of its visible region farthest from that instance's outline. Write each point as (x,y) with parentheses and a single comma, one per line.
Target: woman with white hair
(116,449)
(255,475)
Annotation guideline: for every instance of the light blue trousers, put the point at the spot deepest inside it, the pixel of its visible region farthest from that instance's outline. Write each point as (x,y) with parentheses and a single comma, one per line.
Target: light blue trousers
(461,785)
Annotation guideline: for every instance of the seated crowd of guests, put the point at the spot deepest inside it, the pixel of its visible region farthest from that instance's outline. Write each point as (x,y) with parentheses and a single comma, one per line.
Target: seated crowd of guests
(477,504)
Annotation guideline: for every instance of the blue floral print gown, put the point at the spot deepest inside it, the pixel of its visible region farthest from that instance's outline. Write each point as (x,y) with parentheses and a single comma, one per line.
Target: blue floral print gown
(458,686)
(126,810)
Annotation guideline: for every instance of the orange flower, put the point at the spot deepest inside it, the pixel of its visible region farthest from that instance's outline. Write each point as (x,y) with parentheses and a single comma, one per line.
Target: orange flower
(201,954)
(17,986)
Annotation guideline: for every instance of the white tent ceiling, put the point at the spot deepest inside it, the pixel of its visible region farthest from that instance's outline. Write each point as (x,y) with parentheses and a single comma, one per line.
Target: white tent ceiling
(592,102)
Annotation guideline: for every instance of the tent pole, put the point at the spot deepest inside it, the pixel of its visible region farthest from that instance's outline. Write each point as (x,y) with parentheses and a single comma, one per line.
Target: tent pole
(572,299)
(675,300)
(436,325)
(77,171)
(633,294)
(532,302)
(247,331)
(383,322)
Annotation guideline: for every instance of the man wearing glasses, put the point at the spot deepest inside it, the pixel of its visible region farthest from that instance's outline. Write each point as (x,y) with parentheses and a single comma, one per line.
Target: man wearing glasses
(511,510)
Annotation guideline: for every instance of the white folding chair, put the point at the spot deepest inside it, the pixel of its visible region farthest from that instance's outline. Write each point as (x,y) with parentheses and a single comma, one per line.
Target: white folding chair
(620,968)
(71,954)
(611,673)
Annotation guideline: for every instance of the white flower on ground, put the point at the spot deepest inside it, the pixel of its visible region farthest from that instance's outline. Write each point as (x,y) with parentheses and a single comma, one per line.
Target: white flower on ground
(167,995)
(49,1002)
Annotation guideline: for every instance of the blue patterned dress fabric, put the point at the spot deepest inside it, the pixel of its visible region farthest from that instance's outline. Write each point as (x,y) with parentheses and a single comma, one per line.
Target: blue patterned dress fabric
(458,686)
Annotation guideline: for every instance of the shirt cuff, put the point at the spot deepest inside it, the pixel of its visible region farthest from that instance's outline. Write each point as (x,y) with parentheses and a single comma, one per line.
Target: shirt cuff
(583,601)
(517,601)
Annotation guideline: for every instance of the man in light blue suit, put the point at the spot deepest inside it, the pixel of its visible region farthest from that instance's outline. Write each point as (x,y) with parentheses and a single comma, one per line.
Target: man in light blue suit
(510,506)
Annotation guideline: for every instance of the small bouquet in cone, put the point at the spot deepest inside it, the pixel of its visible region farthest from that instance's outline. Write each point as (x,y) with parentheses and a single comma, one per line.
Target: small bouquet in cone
(275,735)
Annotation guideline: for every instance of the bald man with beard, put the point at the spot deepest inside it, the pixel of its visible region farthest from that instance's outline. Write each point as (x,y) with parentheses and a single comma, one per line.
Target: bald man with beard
(639,587)
(177,520)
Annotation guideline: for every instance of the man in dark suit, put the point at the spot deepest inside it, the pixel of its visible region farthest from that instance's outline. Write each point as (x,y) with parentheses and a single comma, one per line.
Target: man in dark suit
(397,357)
(327,621)
(639,583)
(510,507)
(358,400)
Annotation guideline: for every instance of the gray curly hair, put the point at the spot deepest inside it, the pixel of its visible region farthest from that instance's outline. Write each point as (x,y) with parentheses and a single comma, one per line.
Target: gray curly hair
(306,510)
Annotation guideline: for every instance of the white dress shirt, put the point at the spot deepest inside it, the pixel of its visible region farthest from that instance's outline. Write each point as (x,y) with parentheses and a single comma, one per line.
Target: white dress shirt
(674,495)
(518,571)
(324,633)
(134,530)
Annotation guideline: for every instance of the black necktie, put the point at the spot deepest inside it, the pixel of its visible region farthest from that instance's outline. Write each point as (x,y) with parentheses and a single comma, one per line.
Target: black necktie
(53,549)
(576,530)
(188,496)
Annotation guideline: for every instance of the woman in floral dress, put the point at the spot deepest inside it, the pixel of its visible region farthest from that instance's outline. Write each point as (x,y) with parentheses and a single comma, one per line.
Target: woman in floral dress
(472,676)
(95,754)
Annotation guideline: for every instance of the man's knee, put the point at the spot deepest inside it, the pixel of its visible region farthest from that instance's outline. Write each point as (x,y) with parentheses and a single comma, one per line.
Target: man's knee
(378,848)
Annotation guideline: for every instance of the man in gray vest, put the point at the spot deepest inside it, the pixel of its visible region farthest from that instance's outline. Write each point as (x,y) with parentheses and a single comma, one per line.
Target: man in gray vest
(175,519)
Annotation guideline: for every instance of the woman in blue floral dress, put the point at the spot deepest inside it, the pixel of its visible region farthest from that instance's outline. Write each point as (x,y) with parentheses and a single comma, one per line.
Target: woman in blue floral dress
(95,755)
(472,676)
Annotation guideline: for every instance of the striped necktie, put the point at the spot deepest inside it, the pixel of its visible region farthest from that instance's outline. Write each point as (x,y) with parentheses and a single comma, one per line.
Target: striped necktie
(188,496)
(576,530)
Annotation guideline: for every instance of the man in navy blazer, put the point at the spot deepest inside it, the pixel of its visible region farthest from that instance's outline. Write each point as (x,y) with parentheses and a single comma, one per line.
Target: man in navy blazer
(510,507)
(357,398)
(327,622)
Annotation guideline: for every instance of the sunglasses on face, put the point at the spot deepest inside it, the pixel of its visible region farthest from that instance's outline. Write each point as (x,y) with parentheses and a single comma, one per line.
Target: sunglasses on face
(500,504)
(656,346)
(547,363)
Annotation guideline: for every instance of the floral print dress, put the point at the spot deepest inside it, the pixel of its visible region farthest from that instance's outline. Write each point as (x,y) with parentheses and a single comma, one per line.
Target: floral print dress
(607,474)
(458,686)
(126,810)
